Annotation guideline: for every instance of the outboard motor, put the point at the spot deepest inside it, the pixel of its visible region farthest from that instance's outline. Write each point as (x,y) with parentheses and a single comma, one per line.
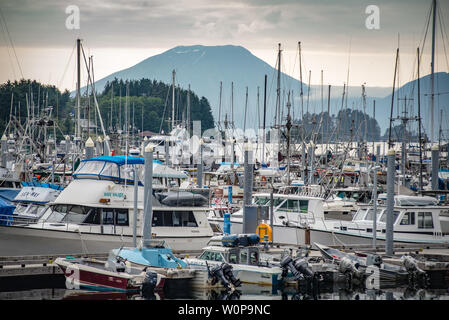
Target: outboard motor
(374,259)
(415,272)
(119,265)
(299,267)
(229,275)
(350,268)
(223,273)
(149,284)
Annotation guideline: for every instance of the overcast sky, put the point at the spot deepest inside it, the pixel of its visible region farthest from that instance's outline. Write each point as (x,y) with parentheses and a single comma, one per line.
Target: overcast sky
(121,33)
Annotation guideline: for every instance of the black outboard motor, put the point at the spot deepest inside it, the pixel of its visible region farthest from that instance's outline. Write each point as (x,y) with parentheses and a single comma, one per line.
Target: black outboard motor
(229,275)
(223,273)
(299,267)
(149,283)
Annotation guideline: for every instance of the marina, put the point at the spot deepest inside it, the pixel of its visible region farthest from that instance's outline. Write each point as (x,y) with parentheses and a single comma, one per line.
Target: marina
(142,186)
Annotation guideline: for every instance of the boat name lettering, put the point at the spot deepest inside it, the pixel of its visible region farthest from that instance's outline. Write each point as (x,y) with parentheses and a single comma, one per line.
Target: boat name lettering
(114,194)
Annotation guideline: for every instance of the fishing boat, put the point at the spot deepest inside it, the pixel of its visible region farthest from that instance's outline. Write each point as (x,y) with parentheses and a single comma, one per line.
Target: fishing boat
(95,214)
(243,255)
(157,257)
(361,261)
(84,273)
(32,199)
(299,220)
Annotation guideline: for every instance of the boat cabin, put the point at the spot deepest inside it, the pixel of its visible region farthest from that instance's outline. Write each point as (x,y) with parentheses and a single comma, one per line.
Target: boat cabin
(234,255)
(419,215)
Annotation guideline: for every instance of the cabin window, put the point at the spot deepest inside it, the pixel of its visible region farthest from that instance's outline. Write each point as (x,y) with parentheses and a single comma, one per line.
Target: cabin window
(425,220)
(158,218)
(107,216)
(253,257)
(184,219)
(75,214)
(90,168)
(206,255)
(110,170)
(58,213)
(291,205)
(360,214)
(261,201)
(408,219)
(94,216)
(121,216)
(277,201)
(370,214)
(243,256)
(20,208)
(174,219)
(127,172)
(383,218)
(233,257)
(217,257)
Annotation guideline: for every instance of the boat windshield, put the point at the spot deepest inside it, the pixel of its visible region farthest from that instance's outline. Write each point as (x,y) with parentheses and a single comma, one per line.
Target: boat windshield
(261,201)
(370,214)
(104,170)
(383,218)
(294,205)
(20,208)
(360,215)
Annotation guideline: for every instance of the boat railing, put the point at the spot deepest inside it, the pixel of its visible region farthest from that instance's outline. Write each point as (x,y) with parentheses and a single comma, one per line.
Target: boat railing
(307,219)
(6,219)
(111,229)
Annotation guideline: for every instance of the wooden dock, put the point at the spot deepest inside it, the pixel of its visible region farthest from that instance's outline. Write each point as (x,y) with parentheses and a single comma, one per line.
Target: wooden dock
(14,266)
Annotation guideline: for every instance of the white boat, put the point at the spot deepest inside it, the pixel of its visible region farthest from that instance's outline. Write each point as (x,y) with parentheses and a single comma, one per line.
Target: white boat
(32,199)
(94,214)
(246,262)
(300,220)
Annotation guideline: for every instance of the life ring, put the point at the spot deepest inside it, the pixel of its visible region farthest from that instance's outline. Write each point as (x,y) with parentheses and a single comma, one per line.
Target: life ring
(264,229)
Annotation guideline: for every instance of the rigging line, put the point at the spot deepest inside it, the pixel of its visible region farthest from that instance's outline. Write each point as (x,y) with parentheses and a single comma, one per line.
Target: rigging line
(165,108)
(67,66)
(443,32)
(347,76)
(11,61)
(10,40)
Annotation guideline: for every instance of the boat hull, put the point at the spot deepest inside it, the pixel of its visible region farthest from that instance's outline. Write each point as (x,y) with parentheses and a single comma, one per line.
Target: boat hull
(294,235)
(81,276)
(20,240)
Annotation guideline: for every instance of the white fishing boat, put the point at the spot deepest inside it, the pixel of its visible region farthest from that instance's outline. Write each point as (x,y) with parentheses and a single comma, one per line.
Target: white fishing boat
(299,220)
(94,214)
(31,202)
(243,255)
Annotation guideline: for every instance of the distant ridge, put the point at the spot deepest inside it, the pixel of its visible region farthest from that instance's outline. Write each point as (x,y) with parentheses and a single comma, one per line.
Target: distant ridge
(203,67)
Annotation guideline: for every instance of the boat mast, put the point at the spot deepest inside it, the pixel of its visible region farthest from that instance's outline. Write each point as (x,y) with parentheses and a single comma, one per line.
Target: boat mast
(390,143)
(432,75)
(264,117)
(288,125)
(419,128)
(78,88)
(219,107)
(188,111)
(278,98)
(173,103)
